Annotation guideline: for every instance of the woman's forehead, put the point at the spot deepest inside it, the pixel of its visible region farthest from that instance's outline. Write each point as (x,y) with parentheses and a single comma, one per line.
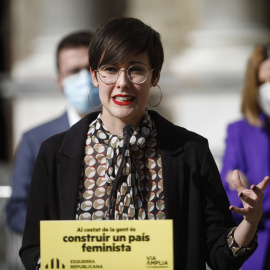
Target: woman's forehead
(131,59)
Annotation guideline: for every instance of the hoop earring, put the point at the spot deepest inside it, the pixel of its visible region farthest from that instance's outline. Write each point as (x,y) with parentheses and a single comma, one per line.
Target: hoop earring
(90,101)
(159,99)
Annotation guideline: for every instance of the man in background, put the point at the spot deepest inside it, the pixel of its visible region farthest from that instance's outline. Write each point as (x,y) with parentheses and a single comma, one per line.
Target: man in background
(75,81)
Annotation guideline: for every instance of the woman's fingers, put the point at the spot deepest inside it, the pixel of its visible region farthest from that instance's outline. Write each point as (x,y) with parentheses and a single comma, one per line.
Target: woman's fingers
(236,180)
(257,189)
(240,211)
(250,197)
(258,192)
(263,184)
(250,200)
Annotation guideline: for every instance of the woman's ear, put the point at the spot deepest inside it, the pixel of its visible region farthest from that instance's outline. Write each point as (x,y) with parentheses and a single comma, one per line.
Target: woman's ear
(94,77)
(156,80)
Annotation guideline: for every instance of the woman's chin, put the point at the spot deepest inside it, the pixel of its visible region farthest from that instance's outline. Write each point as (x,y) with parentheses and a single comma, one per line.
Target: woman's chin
(129,115)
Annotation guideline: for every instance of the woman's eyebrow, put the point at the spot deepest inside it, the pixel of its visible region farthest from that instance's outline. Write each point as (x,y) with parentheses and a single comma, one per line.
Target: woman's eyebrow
(137,62)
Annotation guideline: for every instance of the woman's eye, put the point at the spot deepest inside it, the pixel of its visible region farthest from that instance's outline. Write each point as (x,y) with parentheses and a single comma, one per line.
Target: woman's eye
(137,69)
(111,69)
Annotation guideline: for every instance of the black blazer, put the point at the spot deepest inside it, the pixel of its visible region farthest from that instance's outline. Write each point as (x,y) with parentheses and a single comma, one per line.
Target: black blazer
(194,195)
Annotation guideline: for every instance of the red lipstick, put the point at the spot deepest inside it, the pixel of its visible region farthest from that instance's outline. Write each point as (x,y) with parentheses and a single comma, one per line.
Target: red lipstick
(123,100)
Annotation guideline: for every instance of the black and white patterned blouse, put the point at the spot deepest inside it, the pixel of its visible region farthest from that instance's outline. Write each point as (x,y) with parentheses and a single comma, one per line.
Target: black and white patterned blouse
(140,191)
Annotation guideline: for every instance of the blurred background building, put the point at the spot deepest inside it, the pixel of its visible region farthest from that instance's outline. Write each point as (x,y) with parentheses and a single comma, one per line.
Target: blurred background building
(206,44)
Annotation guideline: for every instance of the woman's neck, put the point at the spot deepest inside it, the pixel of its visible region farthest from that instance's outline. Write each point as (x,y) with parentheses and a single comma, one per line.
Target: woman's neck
(116,125)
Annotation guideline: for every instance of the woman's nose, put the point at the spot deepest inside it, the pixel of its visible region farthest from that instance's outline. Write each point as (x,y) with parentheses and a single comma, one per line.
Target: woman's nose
(122,78)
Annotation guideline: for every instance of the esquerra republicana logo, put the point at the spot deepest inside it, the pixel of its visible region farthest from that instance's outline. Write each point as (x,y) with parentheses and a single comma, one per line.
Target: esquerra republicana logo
(55,264)
(152,262)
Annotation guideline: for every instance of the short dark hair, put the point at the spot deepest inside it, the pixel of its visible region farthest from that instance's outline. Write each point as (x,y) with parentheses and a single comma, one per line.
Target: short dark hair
(73,40)
(114,40)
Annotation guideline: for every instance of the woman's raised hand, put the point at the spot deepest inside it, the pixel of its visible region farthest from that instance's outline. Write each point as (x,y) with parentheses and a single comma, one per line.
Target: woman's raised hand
(251,199)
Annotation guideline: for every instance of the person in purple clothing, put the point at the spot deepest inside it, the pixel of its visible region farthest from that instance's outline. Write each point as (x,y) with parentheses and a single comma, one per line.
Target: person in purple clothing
(74,80)
(248,147)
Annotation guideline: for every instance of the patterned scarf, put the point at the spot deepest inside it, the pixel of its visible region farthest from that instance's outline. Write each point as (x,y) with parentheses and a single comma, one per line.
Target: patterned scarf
(128,201)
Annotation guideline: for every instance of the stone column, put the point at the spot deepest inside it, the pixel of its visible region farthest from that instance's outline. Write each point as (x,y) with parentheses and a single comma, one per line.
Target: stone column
(56,18)
(226,33)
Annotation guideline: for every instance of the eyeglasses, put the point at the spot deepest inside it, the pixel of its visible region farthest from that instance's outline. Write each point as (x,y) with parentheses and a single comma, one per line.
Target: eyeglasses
(136,74)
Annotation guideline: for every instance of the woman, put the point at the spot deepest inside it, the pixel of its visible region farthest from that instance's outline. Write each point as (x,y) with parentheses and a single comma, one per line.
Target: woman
(248,145)
(168,172)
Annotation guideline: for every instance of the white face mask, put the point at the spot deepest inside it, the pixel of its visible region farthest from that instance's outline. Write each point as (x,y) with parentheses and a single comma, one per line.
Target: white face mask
(76,88)
(264,98)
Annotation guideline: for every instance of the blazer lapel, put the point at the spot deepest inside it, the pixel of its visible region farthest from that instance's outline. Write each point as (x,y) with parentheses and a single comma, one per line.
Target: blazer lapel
(70,157)
(172,184)
(172,163)
(68,182)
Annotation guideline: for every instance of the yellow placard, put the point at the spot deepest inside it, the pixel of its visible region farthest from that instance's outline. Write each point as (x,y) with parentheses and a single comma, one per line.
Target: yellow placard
(115,244)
